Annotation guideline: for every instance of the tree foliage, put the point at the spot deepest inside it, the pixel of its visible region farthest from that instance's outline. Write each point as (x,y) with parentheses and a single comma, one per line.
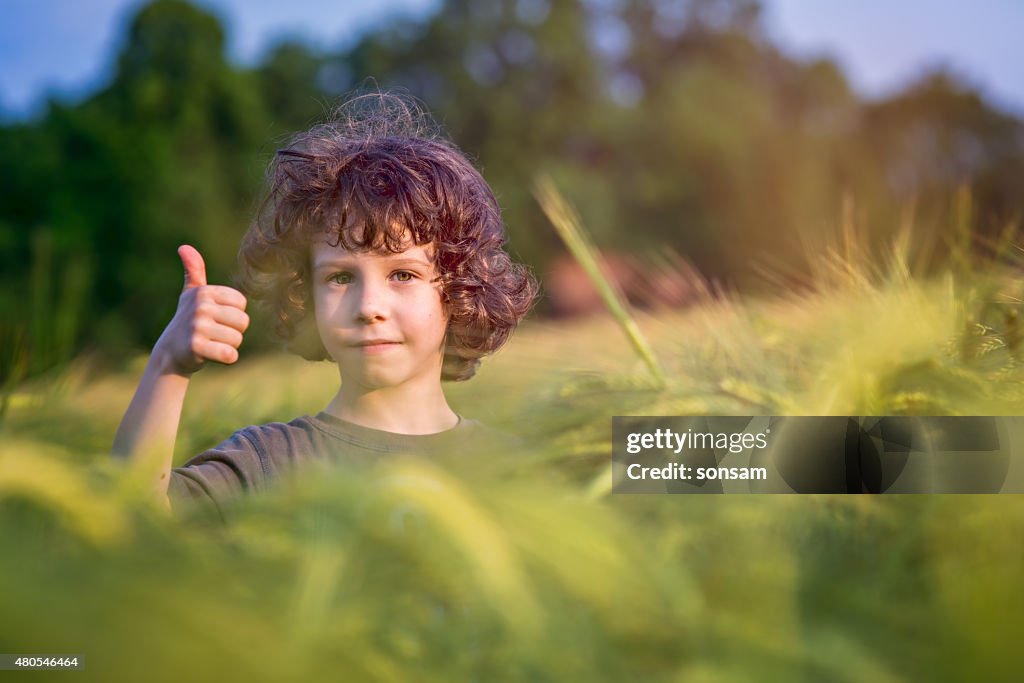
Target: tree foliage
(669,124)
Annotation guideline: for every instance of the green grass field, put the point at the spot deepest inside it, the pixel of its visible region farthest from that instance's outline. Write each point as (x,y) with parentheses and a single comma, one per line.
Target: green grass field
(521,566)
(496,565)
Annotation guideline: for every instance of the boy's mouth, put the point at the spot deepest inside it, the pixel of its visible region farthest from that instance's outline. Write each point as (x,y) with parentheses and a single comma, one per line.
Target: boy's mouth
(375,342)
(374,346)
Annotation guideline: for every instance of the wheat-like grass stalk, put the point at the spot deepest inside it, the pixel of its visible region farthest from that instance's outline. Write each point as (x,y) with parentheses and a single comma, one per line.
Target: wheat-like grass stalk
(569,227)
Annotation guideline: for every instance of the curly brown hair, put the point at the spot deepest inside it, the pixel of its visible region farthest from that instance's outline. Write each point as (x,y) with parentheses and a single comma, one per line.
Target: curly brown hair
(377,173)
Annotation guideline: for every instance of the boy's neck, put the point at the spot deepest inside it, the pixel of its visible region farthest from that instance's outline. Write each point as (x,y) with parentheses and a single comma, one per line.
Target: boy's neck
(400,410)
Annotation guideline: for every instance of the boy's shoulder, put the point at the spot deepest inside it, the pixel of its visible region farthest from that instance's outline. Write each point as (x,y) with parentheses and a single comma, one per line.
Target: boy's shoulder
(293,434)
(249,460)
(264,440)
(250,456)
(253,456)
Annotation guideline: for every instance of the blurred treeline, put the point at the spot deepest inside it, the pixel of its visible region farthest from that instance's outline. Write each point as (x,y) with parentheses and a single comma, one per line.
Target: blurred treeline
(669,124)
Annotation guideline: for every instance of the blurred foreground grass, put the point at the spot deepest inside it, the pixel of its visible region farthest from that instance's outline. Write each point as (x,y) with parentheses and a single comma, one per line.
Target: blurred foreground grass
(516,566)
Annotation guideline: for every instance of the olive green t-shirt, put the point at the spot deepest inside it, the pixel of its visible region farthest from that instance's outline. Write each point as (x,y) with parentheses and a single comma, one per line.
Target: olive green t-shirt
(251,458)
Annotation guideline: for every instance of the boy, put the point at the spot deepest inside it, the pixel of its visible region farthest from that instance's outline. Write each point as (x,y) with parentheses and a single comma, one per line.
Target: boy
(379,247)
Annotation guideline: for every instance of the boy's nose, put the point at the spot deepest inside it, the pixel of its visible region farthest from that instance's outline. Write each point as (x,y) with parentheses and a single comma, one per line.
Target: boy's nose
(371,305)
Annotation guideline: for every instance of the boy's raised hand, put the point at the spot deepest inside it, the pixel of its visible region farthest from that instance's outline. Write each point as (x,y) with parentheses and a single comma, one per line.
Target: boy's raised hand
(208,324)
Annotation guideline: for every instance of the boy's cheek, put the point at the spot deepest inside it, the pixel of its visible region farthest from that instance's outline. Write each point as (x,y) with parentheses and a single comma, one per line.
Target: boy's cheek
(331,337)
(328,313)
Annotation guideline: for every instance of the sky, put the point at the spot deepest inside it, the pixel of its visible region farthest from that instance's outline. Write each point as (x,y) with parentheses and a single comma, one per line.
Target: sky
(885,44)
(68,46)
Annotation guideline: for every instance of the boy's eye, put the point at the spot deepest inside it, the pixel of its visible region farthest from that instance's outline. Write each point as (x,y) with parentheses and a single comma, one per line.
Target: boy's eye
(402,275)
(340,278)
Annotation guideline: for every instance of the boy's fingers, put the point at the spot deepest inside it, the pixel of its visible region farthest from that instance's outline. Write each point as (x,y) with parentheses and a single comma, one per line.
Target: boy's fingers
(232,317)
(217,351)
(226,335)
(227,296)
(195,268)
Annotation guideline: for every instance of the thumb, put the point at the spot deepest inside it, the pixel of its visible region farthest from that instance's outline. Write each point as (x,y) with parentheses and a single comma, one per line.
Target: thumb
(195,268)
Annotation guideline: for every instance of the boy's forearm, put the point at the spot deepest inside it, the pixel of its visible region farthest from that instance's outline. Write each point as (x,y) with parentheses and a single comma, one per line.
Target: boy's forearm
(150,425)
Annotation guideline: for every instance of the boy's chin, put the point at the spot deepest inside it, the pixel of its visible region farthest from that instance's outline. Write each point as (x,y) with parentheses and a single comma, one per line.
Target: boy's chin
(373,380)
(370,379)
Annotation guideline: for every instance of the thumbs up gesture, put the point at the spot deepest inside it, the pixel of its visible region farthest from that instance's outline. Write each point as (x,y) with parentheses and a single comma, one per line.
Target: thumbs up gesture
(208,324)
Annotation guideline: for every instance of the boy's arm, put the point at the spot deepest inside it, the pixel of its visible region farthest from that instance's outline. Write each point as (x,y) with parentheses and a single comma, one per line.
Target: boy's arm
(149,427)
(208,325)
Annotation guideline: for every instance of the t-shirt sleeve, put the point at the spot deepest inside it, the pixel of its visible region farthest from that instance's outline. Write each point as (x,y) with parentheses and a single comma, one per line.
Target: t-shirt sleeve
(225,471)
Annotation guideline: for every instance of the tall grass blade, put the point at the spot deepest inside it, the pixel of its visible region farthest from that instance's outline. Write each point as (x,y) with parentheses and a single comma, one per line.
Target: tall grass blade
(569,227)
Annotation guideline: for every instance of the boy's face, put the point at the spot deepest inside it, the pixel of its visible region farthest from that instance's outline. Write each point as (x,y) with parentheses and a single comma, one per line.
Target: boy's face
(379,314)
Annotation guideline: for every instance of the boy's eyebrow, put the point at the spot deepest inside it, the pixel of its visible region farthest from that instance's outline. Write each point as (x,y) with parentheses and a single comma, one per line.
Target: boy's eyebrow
(390,260)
